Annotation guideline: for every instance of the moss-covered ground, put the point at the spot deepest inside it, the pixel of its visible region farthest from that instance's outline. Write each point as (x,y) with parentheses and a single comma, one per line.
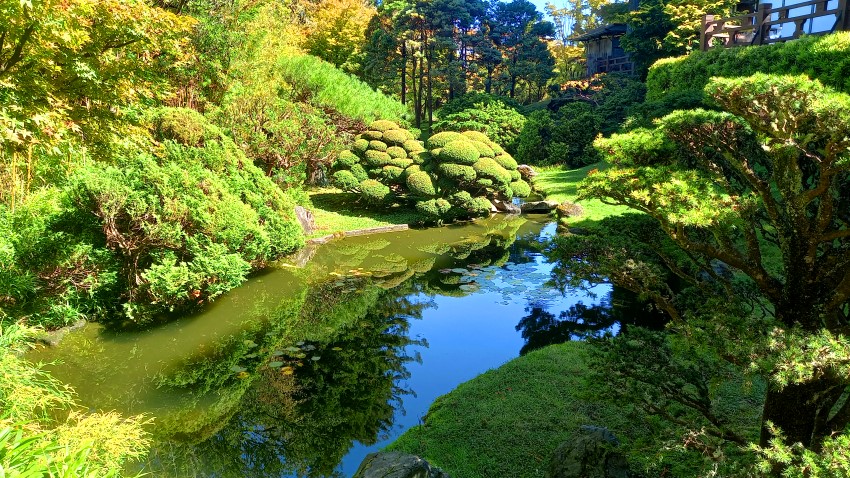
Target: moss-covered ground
(508,421)
(560,183)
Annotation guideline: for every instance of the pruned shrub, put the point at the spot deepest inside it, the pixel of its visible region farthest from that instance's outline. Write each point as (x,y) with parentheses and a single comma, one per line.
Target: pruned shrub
(455,177)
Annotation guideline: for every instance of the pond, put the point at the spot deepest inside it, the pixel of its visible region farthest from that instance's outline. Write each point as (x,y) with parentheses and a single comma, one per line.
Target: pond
(311,365)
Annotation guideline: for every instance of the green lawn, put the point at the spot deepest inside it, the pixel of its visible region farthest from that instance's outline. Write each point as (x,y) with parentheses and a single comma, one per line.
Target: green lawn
(561,184)
(337,211)
(508,421)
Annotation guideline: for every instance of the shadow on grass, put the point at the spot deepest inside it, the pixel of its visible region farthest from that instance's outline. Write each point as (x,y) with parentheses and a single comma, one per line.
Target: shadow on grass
(561,184)
(340,211)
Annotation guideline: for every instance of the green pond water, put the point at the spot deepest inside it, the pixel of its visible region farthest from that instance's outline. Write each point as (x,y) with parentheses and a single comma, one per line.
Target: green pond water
(311,365)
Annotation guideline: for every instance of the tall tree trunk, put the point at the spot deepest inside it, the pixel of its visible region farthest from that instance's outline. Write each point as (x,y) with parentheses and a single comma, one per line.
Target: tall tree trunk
(802,411)
(404,72)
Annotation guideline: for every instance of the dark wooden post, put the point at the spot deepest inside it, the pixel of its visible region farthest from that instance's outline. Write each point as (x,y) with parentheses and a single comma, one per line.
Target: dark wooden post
(842,22)
(705,37)
(762,31)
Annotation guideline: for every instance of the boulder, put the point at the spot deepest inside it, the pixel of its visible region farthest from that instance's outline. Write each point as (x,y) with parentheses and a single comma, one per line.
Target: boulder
(305,218)
(591,454)
(526,171)
(505,206)
(393,464)
(569,209)
(538,206)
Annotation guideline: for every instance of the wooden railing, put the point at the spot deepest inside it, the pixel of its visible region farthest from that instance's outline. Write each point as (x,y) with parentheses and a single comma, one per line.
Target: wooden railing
(611,64)
(765,26)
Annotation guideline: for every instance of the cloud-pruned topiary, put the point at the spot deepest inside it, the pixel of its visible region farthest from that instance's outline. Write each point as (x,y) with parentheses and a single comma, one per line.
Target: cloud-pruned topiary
(453,175)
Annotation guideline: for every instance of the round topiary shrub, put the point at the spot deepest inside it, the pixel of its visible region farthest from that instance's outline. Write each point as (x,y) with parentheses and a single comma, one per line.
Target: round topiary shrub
(490,169)
(484,149)
(377,145)
(345,180)
(391,173)
(360,145)
(506,161)
(420,157)
(419,183)
(373,192)
(346,160)
(460,152)
(521,188)
(383,125)
(397,136)
(396,152)
(359,172)
(456,172)
(413,146)
(439,140)
(374,158)
(455,176)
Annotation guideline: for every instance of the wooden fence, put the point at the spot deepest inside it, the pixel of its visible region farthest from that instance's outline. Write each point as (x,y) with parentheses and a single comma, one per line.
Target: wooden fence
(766,24)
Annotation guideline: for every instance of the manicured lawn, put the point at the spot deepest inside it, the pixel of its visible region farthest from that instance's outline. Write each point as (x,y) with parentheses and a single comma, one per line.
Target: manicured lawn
(337,211)
(508,421)
(561,184)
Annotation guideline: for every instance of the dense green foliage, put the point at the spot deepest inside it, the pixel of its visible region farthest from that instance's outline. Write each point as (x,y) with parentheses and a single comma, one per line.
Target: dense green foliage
(743,245)
(456,177)
(498,121)
(824,58)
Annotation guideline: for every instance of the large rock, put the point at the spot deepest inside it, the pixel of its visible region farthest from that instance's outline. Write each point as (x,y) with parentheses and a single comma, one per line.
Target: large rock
(305,218)
(526,171)
(393,464)
(538,206)
(592,454)
(505,206)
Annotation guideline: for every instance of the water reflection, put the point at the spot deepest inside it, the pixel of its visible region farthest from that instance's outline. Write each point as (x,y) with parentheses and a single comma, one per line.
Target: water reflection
(286,374)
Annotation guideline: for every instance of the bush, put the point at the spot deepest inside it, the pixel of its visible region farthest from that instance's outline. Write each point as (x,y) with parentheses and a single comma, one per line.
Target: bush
(327,86)
(185,226)
(346,180)
(373,192)
(182,125)
(826,58)
(500,123)
(419,183)
(440,140)
(562,138)
(438,182)
(460,152)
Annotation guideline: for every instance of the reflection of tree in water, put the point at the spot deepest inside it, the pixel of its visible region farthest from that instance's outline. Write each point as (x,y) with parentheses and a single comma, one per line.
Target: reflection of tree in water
(311,400)
(324,372)
(619,307)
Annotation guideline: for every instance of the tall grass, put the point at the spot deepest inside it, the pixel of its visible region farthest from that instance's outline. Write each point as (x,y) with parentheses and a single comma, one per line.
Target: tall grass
(322,84)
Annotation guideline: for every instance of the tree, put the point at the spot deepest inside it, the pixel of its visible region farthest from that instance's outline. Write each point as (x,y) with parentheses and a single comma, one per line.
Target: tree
(750,205)
(338,31)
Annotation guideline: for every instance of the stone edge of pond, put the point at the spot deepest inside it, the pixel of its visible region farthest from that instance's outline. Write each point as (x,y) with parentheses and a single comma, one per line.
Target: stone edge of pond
(51,338)
(358,232)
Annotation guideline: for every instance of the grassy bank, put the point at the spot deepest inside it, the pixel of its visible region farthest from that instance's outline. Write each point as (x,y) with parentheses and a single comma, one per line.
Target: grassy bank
(508,421)
(336,211)
(559,183)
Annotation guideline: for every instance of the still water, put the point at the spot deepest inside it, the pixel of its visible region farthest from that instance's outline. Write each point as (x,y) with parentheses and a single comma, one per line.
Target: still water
(308,367)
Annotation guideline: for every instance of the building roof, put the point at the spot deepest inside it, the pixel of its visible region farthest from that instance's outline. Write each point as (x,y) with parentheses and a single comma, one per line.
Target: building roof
(615,29)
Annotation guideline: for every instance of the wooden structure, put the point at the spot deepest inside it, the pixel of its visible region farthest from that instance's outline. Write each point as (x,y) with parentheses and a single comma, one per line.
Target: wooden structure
(769,24)
(603,52)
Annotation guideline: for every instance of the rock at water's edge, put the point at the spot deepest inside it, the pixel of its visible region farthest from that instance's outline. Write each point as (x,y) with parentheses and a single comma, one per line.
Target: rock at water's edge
(393,464)
(505,206)
(538,206)
(305,218)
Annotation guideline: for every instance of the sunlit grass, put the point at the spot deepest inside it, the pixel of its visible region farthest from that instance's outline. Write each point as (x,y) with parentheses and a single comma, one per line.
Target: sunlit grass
(508,421)
(337,211)
(560,184)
